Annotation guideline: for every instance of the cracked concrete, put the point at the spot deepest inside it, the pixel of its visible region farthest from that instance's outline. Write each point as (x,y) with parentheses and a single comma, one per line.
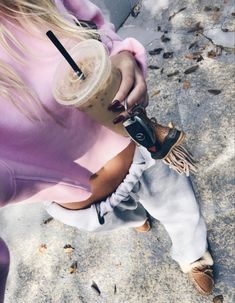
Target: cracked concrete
(130,267)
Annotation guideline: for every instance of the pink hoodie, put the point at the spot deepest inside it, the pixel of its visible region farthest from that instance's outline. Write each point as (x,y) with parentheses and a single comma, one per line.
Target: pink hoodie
(47,161)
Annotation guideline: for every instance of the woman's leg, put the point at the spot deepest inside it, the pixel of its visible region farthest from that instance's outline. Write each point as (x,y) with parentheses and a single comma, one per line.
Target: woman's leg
(100,216)
(169,197)
(117,210)
(4,267)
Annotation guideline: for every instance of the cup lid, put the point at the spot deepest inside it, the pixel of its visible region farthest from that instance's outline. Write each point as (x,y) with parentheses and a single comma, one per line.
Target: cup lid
(92,58)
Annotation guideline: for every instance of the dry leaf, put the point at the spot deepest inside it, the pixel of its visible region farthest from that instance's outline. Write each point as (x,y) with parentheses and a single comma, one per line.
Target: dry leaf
(189,56)
(165,39)
(218,299)
(46,221)
(216,52)
(214,91)
(191,69)
(153,67)
(95,287)
(173,74)
(209,8)
(73,267)
(200,58)
(186,84)
(211,54)
(193,44)
(197,27)
(136,10)
(154,93)
(68,248)
(42,248)
(194,56)
(168,55)
(155,51)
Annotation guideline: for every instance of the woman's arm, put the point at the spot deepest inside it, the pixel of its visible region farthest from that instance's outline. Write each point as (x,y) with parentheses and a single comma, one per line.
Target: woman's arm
(129,57)
(86,10)
(7,185)
(107,179)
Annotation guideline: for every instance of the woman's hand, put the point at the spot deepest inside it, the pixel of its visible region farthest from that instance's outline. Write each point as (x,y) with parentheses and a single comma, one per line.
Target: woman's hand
(133,88)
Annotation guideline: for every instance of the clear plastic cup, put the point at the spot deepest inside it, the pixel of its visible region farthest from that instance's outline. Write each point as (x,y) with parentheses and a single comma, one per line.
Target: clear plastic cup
(94,94)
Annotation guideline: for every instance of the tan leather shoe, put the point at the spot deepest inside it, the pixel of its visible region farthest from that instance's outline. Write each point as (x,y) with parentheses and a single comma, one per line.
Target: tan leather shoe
(144,228)
(201,273)
(163,142)
(202,278)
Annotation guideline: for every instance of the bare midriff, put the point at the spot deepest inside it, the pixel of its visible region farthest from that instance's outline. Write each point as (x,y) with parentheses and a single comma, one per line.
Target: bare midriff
(107,179)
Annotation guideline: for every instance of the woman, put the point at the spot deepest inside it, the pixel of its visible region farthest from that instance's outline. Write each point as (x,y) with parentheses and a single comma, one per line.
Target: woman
(44,157)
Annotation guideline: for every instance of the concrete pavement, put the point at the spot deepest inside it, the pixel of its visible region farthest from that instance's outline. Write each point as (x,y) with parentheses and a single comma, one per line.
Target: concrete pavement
(127,266)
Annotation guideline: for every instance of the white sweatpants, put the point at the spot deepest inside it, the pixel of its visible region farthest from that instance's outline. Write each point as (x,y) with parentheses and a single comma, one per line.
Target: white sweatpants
(166,195)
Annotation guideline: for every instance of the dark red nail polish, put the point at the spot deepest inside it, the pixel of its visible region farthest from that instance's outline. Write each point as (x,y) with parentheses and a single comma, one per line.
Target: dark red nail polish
(118,119)
(114,105)
(120,108)
(116,101)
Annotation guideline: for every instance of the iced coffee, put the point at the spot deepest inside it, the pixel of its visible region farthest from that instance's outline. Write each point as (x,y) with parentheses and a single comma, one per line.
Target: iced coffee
(93,94)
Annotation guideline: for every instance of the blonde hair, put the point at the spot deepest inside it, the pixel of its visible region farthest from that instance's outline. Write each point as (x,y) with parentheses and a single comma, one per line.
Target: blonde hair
(29,14)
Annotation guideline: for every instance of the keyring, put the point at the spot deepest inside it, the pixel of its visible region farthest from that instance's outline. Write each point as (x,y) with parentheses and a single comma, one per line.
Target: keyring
(126,104)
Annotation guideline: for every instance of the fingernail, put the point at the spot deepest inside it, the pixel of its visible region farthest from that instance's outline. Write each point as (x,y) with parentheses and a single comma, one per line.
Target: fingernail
(119,108)
(116,101)
(118,119)
(114,105)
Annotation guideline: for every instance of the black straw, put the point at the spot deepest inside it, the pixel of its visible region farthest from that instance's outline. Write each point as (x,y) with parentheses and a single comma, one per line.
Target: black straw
(66,55)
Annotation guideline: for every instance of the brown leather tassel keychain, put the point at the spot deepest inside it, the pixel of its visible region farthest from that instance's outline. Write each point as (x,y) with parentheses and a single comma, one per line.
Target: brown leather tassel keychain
(163,142)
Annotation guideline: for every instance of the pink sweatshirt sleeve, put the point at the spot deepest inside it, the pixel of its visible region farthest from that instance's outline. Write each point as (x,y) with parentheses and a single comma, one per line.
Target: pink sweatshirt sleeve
(86,10)
(7,185)
(22,182)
